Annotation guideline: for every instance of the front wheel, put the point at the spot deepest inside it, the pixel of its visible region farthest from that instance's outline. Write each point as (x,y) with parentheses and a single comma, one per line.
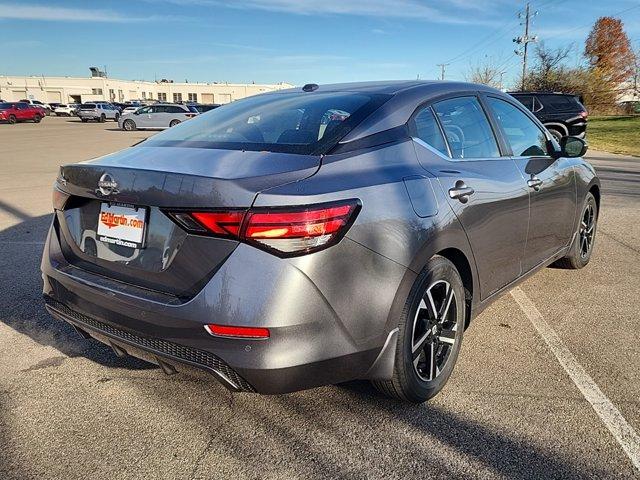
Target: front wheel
(174,123)
(84,120)
(117,117)
(103,118)
(580,251)
(430,334)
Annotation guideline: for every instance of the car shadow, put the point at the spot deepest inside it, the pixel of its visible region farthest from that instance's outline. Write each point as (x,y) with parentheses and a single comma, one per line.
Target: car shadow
(21,306)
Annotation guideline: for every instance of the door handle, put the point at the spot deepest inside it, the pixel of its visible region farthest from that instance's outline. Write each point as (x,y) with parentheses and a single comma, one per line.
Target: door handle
(461,192)
(534,182)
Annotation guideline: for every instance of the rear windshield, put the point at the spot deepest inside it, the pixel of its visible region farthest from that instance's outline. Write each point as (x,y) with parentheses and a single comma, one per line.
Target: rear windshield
(88,106)
(6,106)
(303,123)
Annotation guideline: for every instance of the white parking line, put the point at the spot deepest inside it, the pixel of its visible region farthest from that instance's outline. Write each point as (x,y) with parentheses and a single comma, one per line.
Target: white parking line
(624,434)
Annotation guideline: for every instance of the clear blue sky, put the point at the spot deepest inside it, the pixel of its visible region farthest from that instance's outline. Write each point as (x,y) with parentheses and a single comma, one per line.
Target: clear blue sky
(296,41)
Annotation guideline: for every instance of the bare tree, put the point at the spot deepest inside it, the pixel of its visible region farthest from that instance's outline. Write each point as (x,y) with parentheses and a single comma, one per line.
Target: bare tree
(486,73)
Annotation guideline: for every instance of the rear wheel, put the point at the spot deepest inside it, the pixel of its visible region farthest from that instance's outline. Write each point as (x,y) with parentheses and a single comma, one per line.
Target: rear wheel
(556,134)
(12,119)
(129,125)
(116,117)
(37,119)
(84,120)
(580,251)
(173,123)
(103,118)
(430,334)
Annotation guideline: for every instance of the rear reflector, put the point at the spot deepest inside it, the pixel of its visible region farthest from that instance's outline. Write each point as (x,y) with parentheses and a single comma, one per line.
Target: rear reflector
(236,332)
(284,231)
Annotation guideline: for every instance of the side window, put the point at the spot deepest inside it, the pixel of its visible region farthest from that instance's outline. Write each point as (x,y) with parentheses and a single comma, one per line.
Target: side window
(524,136)
(526,100)
(144,110)
(427,129)
(467,129)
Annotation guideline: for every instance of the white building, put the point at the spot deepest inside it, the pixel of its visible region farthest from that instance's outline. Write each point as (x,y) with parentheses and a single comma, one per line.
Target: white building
(78,90)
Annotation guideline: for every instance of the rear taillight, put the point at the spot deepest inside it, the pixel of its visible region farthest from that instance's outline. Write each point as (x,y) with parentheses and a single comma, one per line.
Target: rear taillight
(236,332)
(284,231)
(584,114)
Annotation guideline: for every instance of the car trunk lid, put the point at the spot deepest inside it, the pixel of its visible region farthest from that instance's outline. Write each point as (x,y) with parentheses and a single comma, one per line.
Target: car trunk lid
(154,180)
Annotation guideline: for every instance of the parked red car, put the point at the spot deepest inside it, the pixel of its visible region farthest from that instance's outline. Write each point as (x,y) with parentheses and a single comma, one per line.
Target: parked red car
(14,112)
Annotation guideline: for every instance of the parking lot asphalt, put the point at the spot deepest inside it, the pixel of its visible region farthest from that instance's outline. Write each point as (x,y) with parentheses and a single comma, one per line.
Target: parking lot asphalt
(70,409)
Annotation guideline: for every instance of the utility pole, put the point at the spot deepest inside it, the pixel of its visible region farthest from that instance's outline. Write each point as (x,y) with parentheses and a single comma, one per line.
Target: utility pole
(525,40)
(442,67)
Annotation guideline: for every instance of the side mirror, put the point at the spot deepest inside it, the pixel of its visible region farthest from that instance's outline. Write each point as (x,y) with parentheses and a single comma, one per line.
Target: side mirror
(572,147)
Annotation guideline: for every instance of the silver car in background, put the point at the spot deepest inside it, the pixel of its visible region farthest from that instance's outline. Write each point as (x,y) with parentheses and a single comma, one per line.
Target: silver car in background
(161,115)
(98,111)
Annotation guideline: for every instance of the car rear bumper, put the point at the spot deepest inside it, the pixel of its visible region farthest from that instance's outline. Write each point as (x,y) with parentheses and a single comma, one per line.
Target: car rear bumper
(309,344)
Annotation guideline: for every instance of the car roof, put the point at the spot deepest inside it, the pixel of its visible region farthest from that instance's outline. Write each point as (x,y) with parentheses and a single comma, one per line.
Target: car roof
(543,93)
(390,87)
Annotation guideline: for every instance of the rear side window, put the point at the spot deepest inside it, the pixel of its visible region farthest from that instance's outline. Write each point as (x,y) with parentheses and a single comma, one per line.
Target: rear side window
(427,129)
(524,136)
(467,129)
(560,102)
(88,106)
(6,106)
(298,122)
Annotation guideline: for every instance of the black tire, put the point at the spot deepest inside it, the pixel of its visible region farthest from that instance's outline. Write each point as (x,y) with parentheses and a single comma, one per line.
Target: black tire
(37,119)
(103,118)
(581,249)
(12,119)
(117,117)
(84,120)
(173,123)
(557,134)
(419,326)
(129,125)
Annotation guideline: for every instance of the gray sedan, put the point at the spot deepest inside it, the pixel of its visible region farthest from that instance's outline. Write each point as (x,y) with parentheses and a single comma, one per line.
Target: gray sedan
(318,235)
(156,116)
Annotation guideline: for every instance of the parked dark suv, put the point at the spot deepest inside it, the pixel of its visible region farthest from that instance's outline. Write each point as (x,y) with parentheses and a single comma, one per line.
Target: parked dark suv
(562,113)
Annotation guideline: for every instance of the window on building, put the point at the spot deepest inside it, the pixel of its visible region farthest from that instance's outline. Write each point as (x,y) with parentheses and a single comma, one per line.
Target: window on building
(112,94)
(193,97)
(177,97)
(96,91)
(144,95)
(162,96)
(150,96)
(120,96)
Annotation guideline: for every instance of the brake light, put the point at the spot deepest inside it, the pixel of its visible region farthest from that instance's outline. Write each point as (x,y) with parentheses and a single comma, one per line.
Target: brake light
(284,231)
(584,114)
(236,332)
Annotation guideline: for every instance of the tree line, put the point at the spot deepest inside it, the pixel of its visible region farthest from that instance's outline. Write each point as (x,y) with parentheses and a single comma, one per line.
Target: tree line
(609,69)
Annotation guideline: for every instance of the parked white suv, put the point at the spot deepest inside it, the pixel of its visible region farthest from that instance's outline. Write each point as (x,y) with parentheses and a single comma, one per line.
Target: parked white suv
(66,110)
(38,103)
(99,112)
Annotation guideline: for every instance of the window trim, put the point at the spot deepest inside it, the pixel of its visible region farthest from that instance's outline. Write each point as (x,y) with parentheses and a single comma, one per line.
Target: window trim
(503,147)
(519,106)
(413,130)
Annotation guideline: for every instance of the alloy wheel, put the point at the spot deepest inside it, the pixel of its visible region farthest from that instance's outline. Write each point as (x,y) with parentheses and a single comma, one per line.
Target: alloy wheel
(587,230)
(434,330)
